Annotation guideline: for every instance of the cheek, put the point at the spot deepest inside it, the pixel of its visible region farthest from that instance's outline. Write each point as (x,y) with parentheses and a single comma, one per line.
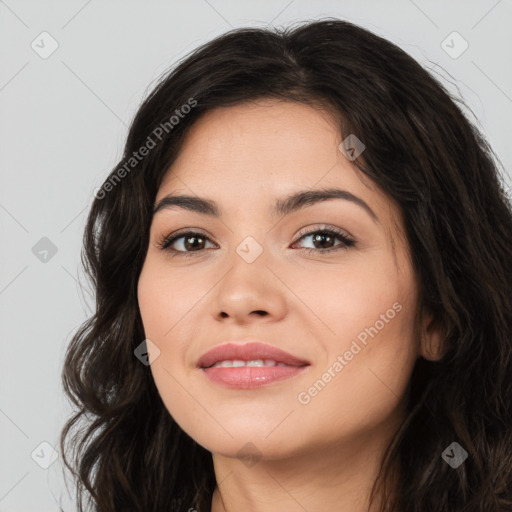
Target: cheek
(164,301)
(149,299)
(167,302)
(353,296)
(363,383)
(370,346)
(161,308)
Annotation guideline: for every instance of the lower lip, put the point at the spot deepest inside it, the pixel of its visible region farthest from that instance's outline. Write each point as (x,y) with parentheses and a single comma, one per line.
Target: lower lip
(249,377)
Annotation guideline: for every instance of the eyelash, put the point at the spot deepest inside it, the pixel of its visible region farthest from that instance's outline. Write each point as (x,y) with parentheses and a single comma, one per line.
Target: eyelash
(346,241)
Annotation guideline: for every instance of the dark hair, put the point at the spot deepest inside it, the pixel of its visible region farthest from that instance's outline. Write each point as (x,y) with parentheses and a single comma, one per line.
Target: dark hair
(126,451)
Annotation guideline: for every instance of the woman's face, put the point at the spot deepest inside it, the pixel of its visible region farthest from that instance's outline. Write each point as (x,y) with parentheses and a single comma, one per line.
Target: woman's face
(351,312)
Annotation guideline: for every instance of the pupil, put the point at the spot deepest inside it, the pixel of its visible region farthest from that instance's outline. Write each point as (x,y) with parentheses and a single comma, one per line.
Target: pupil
(319,238)
(191,246)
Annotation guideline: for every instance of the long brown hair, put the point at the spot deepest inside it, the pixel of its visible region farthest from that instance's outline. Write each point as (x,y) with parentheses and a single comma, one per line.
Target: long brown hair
(123,447)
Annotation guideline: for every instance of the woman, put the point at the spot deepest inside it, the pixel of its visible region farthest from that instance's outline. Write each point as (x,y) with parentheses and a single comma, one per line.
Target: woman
(303,291)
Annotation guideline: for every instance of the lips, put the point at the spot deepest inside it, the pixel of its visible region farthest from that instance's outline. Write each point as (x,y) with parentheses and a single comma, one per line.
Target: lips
(249,352)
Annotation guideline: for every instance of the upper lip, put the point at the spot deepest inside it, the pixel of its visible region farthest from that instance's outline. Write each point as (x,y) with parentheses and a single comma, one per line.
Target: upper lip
(248,352)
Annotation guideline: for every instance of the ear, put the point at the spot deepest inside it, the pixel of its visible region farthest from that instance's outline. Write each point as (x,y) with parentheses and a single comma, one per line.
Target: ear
(432,337)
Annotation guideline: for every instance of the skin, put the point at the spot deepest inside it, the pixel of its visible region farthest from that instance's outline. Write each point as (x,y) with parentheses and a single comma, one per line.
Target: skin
(320,455)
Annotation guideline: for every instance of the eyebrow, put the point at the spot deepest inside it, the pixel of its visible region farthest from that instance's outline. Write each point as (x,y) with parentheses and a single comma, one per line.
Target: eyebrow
(284,206)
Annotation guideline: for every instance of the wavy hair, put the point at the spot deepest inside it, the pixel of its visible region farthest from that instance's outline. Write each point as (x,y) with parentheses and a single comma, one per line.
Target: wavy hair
(122,446)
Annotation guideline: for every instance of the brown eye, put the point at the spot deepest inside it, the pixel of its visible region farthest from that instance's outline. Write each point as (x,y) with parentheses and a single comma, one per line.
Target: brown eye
(184,243)
(326,237)
(190,242)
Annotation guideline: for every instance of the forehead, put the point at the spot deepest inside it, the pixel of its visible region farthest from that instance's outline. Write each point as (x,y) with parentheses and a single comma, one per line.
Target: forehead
(257,143)
(262,151)
(271,139)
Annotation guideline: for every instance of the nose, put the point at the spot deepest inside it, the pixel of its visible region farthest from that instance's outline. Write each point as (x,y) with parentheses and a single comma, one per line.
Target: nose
(249,292)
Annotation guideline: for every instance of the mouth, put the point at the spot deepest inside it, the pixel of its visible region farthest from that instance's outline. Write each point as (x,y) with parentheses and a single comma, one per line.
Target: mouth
(253,354)
(239,363)
(249,366)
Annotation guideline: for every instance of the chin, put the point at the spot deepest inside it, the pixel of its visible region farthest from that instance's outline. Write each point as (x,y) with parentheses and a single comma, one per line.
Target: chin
(246,441)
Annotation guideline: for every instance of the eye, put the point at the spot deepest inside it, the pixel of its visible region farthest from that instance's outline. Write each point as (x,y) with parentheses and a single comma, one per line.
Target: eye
(191,242)
(326,236)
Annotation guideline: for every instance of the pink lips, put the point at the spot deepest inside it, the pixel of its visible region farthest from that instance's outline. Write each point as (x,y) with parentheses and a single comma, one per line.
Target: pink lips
(248,377)
(248,352)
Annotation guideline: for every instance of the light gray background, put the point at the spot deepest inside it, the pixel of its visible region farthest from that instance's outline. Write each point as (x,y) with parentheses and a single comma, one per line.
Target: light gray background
(63,120)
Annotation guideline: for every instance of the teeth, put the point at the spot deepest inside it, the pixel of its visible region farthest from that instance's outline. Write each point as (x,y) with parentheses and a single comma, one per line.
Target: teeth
(237,363)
